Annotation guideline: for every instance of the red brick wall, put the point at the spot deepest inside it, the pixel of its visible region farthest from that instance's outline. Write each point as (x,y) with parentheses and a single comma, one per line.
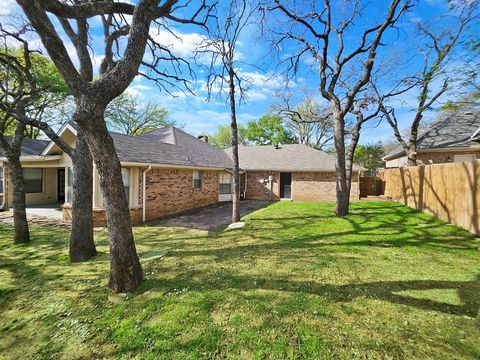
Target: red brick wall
(306,186)
(319,186)
(171,191)
(258,189)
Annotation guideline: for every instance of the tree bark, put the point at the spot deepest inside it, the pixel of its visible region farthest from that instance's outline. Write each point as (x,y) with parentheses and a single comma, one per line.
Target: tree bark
(20,223)
(125,269)
(343,199)
(82,246)
(236,166)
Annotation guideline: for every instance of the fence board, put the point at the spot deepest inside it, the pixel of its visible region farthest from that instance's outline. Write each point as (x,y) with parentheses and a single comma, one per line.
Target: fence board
(449,191)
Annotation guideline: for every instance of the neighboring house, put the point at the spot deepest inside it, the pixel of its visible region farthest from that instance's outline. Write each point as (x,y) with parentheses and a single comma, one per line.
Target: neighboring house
(453,138)
(175,170)
(296,172)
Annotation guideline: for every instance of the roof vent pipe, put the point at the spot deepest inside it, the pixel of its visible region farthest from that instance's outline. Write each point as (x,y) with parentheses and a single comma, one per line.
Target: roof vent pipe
(203,138)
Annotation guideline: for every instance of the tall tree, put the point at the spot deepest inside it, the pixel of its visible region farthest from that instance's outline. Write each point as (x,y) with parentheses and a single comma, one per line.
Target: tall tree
(127,115)
(31,85)
(309,124)
(370,157)
(222,138)
(320,32)
(436,50)
(270,129)
(127,30)
(25,90)
(225,72)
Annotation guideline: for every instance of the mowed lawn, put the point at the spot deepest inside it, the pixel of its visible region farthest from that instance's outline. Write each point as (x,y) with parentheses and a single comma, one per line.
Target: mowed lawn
(296,282)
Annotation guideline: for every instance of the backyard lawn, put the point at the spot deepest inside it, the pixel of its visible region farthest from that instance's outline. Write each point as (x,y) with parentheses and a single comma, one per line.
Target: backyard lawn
(295,282)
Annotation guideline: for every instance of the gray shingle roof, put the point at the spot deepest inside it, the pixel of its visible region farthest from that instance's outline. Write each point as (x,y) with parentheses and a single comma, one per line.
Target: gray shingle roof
(169,146)
(453,130)
(29,146)
(292,157)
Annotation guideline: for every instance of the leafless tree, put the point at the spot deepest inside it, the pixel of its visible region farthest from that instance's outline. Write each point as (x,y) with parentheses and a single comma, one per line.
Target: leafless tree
(310,124)
(25,100)
(131,47)
(225,73)
(321,32)
(436,51)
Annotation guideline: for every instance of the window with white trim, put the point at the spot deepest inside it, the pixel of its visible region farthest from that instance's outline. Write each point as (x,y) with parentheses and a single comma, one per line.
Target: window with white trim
(197,179)
(464,157)
(69,194)
(33,179)
(126,182)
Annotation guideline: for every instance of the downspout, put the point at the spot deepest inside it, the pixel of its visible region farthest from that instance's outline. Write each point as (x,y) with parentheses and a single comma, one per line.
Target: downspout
(245,186)
(144,195)
(4,200)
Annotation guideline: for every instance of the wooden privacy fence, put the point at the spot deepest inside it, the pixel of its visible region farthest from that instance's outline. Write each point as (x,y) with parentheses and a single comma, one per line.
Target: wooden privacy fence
(449,191)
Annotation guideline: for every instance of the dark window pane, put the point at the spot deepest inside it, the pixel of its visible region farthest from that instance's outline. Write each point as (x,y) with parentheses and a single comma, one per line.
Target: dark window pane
(33,179)
(225,189)
(197,183)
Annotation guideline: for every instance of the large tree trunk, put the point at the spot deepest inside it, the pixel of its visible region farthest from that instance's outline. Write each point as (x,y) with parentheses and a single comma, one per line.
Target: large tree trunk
(82,246)
(236,166)
(125,269)
(355,137)
(20,224)
(342,195)
(411,154)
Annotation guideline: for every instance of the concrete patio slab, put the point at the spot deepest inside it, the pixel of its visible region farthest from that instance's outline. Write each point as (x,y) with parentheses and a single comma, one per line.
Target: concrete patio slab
(50,211)
(210,217)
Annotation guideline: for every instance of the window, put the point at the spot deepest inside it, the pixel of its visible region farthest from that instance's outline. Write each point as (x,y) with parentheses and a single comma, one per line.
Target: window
(33,179)
(225,184)
(464,157)
(197,179)
(1,180)
(69,198)
(126,182)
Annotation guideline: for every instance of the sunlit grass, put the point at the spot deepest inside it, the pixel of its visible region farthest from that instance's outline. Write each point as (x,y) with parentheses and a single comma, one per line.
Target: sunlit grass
(295,282)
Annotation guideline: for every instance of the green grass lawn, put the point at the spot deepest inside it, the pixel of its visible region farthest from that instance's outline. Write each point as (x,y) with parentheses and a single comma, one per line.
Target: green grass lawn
(386,282)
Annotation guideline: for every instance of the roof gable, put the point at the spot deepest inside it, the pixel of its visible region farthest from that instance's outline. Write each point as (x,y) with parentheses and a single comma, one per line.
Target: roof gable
(164,146)
(453,130)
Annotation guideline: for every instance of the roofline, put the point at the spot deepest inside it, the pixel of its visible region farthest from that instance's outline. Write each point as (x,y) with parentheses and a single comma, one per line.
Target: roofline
(35,158)
(454,149)
(297,170)
(166,166)
(59,133)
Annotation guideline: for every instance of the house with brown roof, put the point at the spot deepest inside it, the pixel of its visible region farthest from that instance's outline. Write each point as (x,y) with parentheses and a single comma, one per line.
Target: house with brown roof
(164,172)
(167,171)
(293,172)
(455,137)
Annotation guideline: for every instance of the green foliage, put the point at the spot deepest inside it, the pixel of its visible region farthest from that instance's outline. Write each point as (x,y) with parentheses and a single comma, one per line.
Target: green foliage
(127,115)
(268,130)
(42,95)
(223,136)
(296,282)
(370,157)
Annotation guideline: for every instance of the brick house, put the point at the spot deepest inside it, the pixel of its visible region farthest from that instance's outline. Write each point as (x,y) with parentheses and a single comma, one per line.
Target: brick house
(294,171)
(176,172)
(453,138)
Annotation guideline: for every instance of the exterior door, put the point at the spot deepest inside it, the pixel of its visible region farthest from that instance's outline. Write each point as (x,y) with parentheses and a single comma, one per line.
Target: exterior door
(61,185)
(285,185)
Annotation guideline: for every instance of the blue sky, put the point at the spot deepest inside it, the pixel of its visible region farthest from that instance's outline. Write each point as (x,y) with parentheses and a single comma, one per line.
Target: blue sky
(201,116)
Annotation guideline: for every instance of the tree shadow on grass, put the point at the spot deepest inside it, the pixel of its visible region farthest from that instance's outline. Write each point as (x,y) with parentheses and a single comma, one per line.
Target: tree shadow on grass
(467,291)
